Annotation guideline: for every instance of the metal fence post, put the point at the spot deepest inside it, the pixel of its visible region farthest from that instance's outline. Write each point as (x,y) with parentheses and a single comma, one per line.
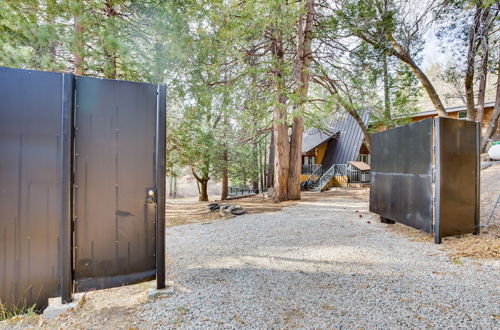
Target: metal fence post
(65,157)
(160,184)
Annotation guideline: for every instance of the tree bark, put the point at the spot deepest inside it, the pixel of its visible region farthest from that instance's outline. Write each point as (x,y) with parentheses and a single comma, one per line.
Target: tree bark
(51,11)
(202,183)
(482,84)
(225,175)
(255,174)
(280,126)
(471,56)
(203,190)
(493,122)
(304,57)
(270,163)
(110,69)
(79,44)
(483,41)
(225,161)
(387,102)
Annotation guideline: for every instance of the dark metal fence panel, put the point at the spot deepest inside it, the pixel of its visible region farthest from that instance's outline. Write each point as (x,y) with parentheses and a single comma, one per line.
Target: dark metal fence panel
(114,166)
(401,174)
(459,177)
(33,108)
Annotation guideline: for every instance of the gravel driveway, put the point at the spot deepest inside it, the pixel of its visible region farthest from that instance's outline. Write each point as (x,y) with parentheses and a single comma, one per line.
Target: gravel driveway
(318,265)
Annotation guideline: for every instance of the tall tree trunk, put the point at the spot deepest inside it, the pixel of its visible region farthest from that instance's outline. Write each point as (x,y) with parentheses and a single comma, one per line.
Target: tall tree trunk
(280,126)
(387,102)
(51,11)
(270,163)
(472,47)
(110,68)
(79,43)
(483,41)
(175,186)
(482,84)
(304,56)
(255,174)
(493,122)
(225,161)
(225,174)
(261,167)
(203,190)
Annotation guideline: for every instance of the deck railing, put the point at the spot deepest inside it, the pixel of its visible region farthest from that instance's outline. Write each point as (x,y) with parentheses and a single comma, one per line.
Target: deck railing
(238,191)
(358,176)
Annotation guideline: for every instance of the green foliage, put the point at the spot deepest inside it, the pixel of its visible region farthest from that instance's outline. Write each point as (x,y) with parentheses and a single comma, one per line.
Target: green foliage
(10,311)
(215,57)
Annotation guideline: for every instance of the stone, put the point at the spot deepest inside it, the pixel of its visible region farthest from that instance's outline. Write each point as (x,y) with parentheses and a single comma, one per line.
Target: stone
(56,307)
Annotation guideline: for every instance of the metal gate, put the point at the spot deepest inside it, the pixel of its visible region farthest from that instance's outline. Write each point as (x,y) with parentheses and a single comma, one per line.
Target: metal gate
(115,168)
(82,184)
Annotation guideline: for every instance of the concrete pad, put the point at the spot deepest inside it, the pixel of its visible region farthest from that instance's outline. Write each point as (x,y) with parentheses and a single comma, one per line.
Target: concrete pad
(56,308)
(153,293)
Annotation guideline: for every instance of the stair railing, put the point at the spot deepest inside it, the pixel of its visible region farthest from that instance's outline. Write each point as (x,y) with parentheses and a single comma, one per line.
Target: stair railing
(318,173)
(335,170)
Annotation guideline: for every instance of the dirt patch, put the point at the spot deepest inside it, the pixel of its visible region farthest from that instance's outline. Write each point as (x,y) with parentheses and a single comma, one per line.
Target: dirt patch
(114,308)
(486,245)
(188,210)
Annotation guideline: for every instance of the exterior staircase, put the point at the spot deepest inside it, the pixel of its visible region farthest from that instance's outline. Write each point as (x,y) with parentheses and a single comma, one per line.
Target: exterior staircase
(320,178)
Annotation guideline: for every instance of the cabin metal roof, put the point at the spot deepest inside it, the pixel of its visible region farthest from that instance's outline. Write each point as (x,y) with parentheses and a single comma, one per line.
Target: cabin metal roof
(345,130)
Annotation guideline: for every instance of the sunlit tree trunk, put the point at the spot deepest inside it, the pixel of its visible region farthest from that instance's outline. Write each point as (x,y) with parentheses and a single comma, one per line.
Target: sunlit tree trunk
(493,122)
(270,163)
(280,126)
(79,42)
(110,49)
(304,56)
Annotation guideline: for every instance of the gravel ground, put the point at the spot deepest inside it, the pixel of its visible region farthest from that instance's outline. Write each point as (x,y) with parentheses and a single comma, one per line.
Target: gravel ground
(320,264)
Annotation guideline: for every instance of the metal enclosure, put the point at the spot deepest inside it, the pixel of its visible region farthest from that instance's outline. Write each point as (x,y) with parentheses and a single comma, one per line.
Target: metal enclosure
(82,184)
(425,175)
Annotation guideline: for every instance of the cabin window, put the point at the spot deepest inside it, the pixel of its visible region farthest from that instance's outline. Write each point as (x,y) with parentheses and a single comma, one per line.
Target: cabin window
(462,115)
(364,158)
(308,160)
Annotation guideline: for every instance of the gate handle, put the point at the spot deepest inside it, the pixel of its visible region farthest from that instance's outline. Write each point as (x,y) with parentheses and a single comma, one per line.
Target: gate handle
(151,195)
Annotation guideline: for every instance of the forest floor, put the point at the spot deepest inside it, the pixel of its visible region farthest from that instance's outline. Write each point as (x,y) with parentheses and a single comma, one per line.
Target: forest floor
(324,261)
